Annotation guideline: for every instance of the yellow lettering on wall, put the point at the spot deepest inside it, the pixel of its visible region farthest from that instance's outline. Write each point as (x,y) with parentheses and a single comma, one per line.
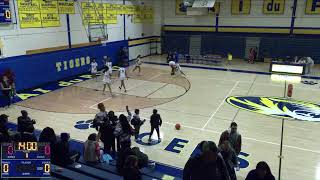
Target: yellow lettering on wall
(273,6)
(64,84)
(88,59)
(58,66)
(42,90)
(71,63)
(83,61)
(26,96)
(86,76)
(76,80)
(313,7)
(65,64)
(77,62)
(240,7)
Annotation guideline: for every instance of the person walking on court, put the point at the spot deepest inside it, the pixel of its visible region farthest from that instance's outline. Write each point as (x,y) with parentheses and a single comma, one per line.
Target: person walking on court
(233,137)
(108,62)
(155,122)
(138,64)
(107,80)
(136,122)
(122,75)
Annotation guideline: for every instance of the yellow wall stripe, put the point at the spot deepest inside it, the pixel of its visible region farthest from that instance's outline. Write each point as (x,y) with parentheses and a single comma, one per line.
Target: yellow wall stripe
(202,29)
(306,31)
(255,30)
(143,41)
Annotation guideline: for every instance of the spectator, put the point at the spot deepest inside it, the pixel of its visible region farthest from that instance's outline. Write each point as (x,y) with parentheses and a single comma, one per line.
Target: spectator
(114,121)
(123,153)
(25,124)
(131,169)
(48,135)
(123,130)
(91,149)
(136,122)
(142,157)
(155,122)
(208,165)
(4,133)
(106,136)
(63,155)
(233,137)
(262,172)
(230,159)
(100,116)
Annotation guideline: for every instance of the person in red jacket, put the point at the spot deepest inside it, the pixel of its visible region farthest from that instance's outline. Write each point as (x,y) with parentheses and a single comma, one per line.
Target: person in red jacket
(233,137)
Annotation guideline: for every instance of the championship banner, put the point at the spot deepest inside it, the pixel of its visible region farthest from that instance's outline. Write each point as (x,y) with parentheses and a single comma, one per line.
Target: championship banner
(100,8)
(137,18)
(313,7)
(50,20)
(89,18)
(49,7)
(273,6)
(28,6)
(111,19)
(87,6)
(111,9)
(136,9)
(240,7)
(29,20)
(100,19)
(215,9)
(65,7)
(117,8)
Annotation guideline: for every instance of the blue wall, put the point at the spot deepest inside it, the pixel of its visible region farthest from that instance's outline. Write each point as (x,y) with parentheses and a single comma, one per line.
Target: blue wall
(38,69)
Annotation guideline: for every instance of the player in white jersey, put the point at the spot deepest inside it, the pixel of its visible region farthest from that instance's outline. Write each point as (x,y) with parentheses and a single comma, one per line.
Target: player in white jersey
(94,69)
(108,62)
(122,76)
(175,67)
(106,80)
(138,64)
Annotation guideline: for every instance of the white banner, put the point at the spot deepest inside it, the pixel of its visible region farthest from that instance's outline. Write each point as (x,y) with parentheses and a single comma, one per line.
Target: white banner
(203,3)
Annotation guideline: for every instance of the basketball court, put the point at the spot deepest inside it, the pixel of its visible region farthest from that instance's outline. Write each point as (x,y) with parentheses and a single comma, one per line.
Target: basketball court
(198,103)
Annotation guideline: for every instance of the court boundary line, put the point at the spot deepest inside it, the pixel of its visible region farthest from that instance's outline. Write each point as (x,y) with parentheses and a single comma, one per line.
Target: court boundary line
(222,102)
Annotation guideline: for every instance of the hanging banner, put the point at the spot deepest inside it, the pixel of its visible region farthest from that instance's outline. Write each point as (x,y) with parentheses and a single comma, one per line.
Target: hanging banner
(137,18)
(101,9)
(313,7)
(87,6)
(111,19)
(273,6)
(89,18)
(49,7)
(215,9)
(28,6)
(111,9)
(65,7)
(131,9)
(50,20)
(136,9)
(29,20)
(240,7)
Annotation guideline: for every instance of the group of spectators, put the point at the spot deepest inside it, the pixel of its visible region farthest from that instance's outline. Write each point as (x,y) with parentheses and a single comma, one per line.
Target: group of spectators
(214,162)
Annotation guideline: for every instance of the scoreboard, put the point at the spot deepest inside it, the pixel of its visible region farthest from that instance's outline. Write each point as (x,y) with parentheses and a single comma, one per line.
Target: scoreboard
(5,13)
(25,159)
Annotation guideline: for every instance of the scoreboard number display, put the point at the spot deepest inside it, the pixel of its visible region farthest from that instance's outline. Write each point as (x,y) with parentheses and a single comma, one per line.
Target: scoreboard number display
(5,12)
(25,159)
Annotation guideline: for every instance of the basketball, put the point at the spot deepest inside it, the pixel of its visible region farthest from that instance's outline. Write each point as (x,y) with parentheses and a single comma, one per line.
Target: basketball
(178,126)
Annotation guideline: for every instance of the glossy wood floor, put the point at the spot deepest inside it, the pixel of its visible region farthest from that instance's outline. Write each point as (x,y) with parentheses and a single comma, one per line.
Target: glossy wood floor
(202,112)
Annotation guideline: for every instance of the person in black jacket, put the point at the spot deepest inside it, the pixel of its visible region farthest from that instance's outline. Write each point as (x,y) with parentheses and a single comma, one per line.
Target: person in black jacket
(25,123)
(63,154)
(156,122)
(131,169)
(4,132)
(207,165)
(262,172)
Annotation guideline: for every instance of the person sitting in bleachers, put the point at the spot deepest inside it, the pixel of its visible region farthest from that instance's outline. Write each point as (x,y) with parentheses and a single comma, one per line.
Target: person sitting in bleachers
(4,133)
(123,153)
(142,157)
(63,155)
(131,169)
(91,149)
(207,165)
(25,123)
(106,136)
(262,172)
(48,135)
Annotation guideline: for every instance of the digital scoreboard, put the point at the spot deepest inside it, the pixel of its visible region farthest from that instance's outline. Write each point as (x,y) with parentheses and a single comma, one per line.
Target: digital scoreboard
(5,13)
(25,160)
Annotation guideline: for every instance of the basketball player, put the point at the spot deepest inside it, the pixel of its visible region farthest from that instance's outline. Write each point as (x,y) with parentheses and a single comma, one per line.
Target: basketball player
(108,62)
(178,69)
(172,64)
(122,75)
(138,64)
(107,80)
(94,69)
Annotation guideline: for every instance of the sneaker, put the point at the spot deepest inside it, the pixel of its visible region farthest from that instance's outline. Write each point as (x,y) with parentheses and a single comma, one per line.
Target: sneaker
(159,140)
